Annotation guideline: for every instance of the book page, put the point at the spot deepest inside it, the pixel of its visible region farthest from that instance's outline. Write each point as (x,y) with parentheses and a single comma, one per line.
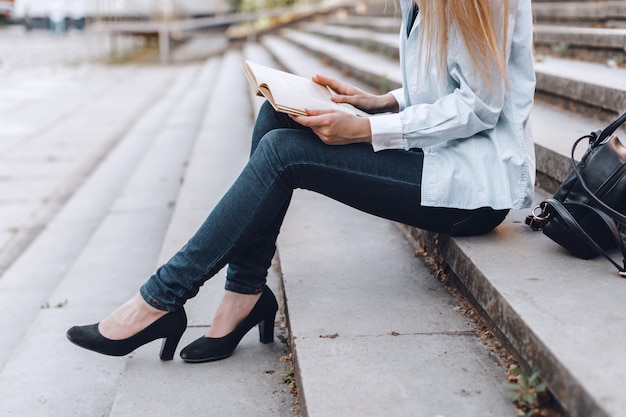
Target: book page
(290,93)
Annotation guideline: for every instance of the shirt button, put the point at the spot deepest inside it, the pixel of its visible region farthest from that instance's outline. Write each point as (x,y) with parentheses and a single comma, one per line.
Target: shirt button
(388,143)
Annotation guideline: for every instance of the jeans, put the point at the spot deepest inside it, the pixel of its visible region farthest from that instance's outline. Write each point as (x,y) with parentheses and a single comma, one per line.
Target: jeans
(242,229)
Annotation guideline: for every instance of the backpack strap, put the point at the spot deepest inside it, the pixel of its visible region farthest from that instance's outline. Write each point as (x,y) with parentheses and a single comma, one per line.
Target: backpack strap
(554,206)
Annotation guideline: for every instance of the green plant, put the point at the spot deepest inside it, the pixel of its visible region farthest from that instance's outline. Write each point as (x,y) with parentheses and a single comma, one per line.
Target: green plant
(383,84)
(530,393)
(562,49)
(289,377)
(369,44)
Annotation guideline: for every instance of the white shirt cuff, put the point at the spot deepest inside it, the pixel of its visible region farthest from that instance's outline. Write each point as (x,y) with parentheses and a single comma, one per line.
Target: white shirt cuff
(399,96)
(386,132)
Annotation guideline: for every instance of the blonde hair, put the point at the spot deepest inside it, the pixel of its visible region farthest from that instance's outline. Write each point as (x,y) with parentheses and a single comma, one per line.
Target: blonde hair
(477,23)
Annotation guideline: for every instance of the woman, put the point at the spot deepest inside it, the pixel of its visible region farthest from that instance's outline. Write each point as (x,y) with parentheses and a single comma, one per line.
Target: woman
(451,152)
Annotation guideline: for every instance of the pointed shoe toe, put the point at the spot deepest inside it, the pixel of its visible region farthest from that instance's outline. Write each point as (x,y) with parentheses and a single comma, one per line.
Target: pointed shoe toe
(90,338)
(170,328)
(209,349)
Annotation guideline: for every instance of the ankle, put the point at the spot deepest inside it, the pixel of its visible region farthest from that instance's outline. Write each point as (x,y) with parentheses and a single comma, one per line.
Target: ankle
(233,309)
(129,318)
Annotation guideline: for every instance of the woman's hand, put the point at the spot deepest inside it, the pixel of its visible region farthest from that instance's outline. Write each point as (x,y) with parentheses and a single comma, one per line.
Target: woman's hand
(347,93)
(335,127)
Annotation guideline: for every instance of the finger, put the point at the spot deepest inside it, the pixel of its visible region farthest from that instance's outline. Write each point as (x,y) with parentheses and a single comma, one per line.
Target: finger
(323,79)
(334,84)
(317,112)
(342,98)
(302,120)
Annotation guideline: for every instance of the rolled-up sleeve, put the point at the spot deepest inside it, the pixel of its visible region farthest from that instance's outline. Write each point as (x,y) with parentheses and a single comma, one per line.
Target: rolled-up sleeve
(470,106)
(387,128)
(477,143)
(386,132)
(462,113)
(441,107)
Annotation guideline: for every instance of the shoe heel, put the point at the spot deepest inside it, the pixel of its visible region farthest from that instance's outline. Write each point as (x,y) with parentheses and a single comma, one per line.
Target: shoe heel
(266,330)
(168,347)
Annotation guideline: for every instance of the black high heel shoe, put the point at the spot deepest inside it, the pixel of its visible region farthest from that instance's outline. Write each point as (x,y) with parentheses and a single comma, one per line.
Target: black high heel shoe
(170,327)
(208,349)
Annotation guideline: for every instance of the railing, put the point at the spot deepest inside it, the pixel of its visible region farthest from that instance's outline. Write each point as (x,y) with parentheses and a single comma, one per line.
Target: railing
(168,21)
(137,10)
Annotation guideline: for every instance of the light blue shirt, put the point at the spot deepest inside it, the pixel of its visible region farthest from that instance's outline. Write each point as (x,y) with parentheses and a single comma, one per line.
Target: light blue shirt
(477,141)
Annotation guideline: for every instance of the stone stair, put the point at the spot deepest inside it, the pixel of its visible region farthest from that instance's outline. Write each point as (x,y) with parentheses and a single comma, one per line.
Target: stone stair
(357,348)
(119,247)
(581,13)
(140,203)
(528,288)
(396,343)
(31,279)
(514,275)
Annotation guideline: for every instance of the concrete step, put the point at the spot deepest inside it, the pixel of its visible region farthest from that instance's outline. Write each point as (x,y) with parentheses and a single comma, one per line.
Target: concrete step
(353,60)
(114,259)
(559,314)
(561,80)
(588,44)
(27,285)
(592,13)
(323,247)
(255,52)
(306,65)
(584,84)
(45,152)
(555,131)
(399,332)
(175,388)
(389,23)
(513,274)
(374,9)
(558,80)
(46,50)
(373,332)
(385,44)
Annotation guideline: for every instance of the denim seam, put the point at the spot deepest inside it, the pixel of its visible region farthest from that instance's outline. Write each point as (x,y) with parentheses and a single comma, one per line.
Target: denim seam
(232,245)
(360,173)
(148,298)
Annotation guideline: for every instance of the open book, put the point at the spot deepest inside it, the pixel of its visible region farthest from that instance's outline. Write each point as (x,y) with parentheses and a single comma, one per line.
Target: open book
(290,93)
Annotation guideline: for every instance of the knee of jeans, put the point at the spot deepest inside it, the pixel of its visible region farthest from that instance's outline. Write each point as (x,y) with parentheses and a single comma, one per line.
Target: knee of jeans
(265,119)
(266,108)
(287,149)
(268,149)
(277,143)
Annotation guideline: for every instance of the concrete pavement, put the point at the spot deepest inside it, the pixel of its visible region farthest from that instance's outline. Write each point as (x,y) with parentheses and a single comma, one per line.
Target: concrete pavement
(373,333)
(61,113)
(527,286)
(112,222)
(115,220)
